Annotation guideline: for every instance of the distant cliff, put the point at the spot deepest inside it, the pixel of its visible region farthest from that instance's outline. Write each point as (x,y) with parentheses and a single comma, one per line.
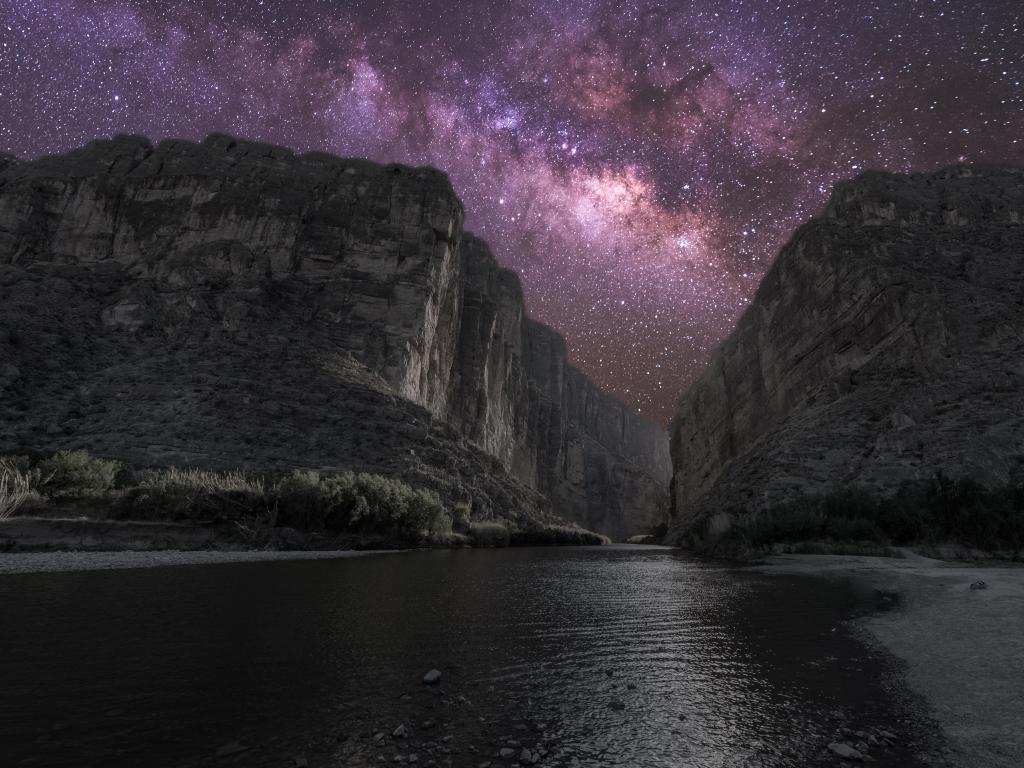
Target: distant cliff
(884,345)
(232,304)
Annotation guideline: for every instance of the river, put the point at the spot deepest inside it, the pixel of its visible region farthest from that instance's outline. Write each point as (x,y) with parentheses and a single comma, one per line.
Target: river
(625,656)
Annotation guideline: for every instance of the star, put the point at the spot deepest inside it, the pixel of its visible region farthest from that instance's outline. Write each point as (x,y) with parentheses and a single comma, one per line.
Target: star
(638,163)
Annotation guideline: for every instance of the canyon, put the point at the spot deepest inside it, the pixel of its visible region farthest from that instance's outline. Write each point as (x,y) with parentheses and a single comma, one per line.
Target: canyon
(228,304)
(885,346)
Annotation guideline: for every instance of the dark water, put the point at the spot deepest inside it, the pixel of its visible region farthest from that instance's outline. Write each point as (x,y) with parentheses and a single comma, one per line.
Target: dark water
(163,666)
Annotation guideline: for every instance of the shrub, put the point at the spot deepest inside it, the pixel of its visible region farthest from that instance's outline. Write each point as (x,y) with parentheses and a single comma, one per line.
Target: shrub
(361,503)
(556,535)
(76,473)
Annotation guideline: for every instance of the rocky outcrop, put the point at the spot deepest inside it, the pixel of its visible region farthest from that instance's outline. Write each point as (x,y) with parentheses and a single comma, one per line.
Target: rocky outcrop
(232,304)
(884,345)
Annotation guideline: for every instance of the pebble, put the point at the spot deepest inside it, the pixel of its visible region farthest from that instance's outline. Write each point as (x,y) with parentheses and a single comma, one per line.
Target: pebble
(844,751)
(400,732)
(231,748)
(433,677)
(506,752)
(526,757)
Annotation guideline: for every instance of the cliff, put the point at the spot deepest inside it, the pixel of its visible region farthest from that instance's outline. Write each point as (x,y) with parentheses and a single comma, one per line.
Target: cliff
(884,345)
(232,304)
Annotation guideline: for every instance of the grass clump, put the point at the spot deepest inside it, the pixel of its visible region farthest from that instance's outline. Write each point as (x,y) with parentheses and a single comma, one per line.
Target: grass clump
(16,488)
(198,495)
(76,473)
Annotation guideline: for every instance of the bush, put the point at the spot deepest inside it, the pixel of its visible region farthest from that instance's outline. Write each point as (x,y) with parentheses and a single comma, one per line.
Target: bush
(489,534)
(937,511)
(556,536)
(76,473)
(304,501)
(361,503)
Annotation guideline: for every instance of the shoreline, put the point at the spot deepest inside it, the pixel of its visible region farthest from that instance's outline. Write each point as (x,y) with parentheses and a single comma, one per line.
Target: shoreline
(64,561)
(963,648)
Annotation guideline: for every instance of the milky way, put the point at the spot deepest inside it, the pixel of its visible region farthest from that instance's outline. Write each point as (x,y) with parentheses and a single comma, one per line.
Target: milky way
(638,163)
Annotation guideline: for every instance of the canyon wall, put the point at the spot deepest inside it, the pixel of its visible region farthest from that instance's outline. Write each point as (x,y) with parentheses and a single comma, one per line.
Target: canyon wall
(232,304)
(884,345)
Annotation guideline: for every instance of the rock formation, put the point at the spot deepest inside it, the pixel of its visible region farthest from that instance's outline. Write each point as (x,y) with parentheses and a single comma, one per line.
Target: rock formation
(231,304)
(884,345)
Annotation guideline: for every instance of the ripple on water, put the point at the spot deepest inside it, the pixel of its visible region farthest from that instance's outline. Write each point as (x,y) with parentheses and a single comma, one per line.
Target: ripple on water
(600,656)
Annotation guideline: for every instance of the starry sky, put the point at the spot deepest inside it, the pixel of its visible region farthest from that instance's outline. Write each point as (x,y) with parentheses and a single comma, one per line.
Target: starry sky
(638,163)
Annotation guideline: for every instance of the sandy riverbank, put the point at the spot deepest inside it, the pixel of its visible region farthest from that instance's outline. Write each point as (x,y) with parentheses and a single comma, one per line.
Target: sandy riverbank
(52,562)
(964,648)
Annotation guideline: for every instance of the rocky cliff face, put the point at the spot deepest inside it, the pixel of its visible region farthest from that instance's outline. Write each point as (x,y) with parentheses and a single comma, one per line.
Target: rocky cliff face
(885,344)
(231,304)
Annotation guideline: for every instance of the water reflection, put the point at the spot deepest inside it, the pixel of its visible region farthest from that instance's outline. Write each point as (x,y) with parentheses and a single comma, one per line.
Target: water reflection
(635,657)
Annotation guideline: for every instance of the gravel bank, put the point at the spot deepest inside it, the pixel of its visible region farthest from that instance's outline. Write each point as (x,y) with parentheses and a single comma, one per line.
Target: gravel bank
(964,648)
(43,562)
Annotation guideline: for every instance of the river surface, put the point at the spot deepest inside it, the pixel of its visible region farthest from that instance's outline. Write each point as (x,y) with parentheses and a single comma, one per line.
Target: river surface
(587,656)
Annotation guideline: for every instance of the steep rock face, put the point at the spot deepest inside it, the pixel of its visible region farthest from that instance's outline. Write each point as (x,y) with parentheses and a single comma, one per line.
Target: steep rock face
(229,303)
(516,395)
(886,343)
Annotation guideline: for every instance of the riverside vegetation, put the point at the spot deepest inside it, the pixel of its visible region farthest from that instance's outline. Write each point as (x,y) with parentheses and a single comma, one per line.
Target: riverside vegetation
(940,516)
(254,510)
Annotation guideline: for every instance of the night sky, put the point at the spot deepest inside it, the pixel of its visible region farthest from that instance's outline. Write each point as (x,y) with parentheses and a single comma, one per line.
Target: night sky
(638,163)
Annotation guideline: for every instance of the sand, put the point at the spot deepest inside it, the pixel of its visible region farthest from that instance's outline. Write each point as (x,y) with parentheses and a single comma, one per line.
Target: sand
(52,562)
(964,648)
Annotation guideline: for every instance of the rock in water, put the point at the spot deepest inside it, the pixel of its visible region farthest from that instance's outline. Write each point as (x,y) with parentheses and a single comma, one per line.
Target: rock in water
(230,304)
(232,748)
(844,751)
(433,677)
(884,345)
